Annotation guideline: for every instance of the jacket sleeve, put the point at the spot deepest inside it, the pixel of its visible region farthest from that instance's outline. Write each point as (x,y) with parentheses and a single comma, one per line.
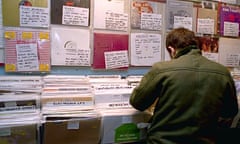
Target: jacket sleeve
(229,107)
(145,94)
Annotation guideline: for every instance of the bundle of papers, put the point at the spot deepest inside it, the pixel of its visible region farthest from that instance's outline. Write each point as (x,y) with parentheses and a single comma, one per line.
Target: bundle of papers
(21,84)
(111,92)
(19,109)
(20,100)
(66,94)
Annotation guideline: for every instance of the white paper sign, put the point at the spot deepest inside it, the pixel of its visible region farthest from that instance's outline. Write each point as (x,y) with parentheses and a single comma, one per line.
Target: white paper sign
(231,29)
(232,60)
(27,57)
(116,21)
(145,49)
(205,26)
(75,16)
(116,59)
(34,16)
(180,21)
(151,21)
(103,6)
(211,56)
(73,125)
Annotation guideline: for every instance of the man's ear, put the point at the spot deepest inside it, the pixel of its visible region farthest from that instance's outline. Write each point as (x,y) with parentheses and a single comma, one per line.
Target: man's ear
(171,51)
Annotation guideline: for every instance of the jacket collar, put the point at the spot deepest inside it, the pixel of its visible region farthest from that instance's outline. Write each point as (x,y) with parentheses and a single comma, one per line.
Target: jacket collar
(186,50)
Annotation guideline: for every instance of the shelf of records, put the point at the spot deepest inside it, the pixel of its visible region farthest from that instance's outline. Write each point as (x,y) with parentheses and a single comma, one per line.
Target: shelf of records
(70,109)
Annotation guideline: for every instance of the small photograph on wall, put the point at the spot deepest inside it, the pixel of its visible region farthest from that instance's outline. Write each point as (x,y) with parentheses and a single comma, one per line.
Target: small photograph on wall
(209,47)
(179,14)
(70,12)
(27,13)
(146,14)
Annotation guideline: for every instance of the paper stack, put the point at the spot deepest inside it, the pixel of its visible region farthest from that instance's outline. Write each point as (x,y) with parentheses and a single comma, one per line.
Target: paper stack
(66,94)
(68,107)
(20,109)
(121,123)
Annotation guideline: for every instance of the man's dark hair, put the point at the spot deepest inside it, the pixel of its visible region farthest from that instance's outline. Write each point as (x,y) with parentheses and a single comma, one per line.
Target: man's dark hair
(180,38)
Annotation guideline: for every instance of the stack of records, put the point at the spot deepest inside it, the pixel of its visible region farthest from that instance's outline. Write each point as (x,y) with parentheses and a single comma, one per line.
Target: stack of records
(67,105)
(20,108)
(134,80)
(64,94)
(19,100)
(111,92)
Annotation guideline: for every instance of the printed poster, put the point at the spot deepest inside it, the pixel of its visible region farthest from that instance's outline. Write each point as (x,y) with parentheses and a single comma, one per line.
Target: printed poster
(110,51)
(229,20)
(27,51)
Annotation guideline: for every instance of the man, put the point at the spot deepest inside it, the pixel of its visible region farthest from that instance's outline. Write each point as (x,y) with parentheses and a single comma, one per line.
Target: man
(194,96)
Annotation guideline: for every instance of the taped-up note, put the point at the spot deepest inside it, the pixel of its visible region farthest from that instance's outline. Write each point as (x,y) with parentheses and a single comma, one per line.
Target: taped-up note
(27,51)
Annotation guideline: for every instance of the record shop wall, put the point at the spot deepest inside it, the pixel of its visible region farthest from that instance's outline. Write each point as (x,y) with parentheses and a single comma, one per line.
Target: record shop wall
(119,37)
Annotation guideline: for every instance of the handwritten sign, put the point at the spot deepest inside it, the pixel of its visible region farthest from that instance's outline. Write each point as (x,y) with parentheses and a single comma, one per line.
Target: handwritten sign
(116,21)
(205,26)
(231,29)
(79,57)
(116,59)
(151,21)
(27,57)
(34,16)
(181,21)
(145,49)
(75,16)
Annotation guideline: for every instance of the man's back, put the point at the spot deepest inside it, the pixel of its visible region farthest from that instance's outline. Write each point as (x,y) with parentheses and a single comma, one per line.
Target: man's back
(193,93)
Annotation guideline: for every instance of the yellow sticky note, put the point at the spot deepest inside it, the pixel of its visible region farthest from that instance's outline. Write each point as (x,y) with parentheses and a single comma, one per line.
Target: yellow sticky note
(27,35)
(44,67)
(44,35)
(10,67)
(10,35)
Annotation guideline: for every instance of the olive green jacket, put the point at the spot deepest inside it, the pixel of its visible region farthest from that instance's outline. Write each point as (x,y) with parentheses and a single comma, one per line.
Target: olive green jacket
(192,92)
